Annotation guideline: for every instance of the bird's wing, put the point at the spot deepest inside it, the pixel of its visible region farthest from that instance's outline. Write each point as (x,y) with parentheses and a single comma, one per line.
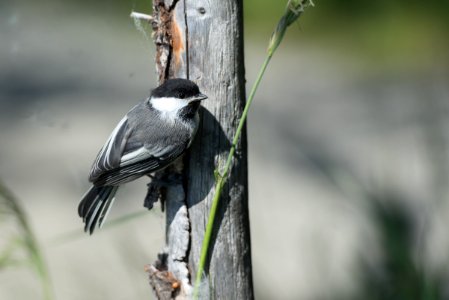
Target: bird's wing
(110,155)
(126,156)
(140,162)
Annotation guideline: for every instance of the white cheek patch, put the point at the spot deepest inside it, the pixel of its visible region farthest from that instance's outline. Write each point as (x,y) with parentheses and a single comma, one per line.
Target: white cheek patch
(168,104)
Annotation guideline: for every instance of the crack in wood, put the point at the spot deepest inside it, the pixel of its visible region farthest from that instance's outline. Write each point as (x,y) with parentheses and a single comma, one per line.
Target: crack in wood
(168,39)
(187,41)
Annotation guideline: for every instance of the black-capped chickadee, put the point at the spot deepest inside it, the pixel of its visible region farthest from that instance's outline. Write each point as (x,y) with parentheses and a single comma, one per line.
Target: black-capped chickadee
(151,136)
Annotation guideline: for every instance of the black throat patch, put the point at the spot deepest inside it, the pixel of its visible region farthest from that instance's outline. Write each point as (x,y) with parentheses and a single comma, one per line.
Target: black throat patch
(188,112)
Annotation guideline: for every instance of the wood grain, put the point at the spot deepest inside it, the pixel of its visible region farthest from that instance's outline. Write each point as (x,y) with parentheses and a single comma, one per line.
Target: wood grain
(205,41)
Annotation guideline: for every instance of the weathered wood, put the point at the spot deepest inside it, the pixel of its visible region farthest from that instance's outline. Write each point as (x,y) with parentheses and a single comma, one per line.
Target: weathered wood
(203,41)
(216,63)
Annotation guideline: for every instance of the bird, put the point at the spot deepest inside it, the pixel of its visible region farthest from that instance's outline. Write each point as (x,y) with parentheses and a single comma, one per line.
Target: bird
(150,137)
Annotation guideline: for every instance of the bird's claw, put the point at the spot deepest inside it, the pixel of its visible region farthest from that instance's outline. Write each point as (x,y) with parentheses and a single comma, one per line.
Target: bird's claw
(157,183)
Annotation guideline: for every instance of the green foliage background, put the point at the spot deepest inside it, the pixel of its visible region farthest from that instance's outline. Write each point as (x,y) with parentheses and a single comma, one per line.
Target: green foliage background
(396,33)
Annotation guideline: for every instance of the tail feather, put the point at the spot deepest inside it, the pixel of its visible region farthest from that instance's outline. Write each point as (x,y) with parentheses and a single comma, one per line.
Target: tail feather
(94,209)
(86,201)
(105,211)
(95,205)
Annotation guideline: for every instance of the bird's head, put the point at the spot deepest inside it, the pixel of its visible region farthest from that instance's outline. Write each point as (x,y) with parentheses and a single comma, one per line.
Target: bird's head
(176,95)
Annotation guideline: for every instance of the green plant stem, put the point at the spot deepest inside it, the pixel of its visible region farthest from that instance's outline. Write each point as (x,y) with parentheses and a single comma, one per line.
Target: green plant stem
(222,178)
(29,241)
(293,11)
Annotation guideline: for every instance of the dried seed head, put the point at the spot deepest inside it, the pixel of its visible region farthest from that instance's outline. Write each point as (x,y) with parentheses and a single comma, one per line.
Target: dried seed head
(292,13)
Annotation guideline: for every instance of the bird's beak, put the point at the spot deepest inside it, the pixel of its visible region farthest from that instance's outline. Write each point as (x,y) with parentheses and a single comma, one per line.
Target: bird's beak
(199,97)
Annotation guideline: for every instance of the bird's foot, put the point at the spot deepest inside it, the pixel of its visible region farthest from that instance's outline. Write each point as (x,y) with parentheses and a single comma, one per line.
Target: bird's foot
(159,182)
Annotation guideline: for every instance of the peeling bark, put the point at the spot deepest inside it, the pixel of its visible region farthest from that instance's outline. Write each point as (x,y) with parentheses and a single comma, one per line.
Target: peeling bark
(203,41)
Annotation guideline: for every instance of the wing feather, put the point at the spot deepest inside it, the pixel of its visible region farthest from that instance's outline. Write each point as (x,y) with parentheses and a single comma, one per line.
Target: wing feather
(137,146)
(109,156)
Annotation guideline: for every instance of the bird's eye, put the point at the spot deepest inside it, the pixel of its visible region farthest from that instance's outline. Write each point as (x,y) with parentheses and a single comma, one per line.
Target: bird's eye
(181,95)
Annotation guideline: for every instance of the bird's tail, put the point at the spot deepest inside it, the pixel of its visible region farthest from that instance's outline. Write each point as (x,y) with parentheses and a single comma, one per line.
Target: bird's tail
(95,205)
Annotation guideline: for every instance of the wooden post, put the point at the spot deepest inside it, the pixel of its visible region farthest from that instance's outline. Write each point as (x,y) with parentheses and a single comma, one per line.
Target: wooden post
(203,41)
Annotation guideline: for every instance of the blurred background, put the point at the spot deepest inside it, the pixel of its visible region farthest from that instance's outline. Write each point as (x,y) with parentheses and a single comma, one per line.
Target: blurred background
(348,140)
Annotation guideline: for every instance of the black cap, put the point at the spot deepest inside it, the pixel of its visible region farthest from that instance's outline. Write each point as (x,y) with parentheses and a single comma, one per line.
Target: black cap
(178,88)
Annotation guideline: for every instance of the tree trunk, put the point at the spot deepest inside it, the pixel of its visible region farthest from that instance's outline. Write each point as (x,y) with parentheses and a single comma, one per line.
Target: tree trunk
(203,41)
